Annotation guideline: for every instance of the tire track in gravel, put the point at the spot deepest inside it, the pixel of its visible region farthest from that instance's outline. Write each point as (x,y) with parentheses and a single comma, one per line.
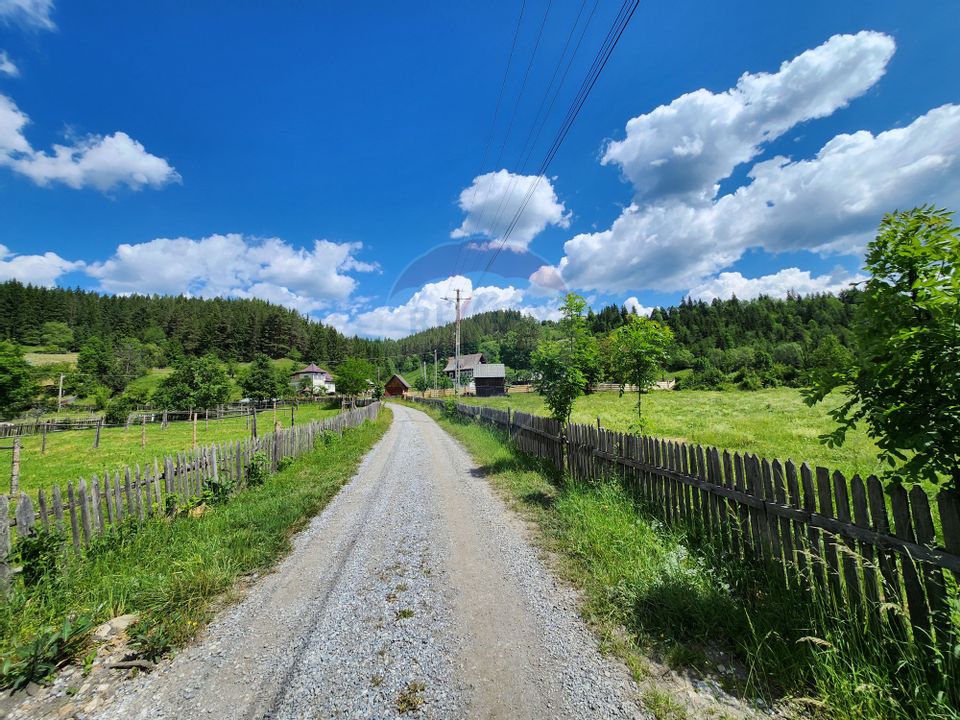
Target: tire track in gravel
(414,590)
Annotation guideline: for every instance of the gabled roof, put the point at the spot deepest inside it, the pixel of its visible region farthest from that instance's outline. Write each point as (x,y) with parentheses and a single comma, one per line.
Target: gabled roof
(490,370)
(467,362)
(402,381)
(311,369)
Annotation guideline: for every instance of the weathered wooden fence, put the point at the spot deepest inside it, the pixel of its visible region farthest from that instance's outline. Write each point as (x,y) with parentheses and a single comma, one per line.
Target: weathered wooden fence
(885,555)
(152,415)
(87,509)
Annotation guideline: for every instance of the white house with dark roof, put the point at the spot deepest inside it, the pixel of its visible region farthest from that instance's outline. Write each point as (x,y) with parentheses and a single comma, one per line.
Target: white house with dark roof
(321,381)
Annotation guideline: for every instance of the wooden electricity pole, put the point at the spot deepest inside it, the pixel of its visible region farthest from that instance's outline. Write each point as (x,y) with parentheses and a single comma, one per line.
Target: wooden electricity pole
(60,394)
(456,355)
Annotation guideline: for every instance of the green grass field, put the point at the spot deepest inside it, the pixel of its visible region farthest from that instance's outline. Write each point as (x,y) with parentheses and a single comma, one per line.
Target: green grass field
(71,455)
(772,423)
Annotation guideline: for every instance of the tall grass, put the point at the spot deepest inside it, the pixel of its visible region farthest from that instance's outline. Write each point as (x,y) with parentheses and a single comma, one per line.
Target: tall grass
(677,595)
(171,569)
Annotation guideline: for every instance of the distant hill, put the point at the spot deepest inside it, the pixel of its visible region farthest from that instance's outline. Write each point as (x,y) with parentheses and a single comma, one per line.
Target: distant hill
(237,329)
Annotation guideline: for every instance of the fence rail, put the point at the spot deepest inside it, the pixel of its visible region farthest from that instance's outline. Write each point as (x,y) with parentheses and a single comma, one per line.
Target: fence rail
(884,554)
(148,415)
(87,509)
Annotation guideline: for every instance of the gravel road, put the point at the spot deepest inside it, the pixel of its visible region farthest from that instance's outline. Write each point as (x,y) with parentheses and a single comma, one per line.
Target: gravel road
(414,591)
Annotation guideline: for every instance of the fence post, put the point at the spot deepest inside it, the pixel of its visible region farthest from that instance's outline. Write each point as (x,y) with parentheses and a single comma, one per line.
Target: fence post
(96,438)
(194,429)
(253,417)
(43,441)
(15,469)
(4,541)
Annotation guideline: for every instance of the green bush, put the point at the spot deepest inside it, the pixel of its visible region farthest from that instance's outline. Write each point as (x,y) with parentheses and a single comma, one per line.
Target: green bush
(258,469)
(38,554)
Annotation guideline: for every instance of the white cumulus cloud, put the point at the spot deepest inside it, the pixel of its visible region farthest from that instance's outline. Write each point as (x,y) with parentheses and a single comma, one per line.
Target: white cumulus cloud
(634,305)
(686,147)
(98,161)
(430,307)
(233,265)
(34,269)
(778,284)
(492,201)
(676,234)
(33,14)
(7,66)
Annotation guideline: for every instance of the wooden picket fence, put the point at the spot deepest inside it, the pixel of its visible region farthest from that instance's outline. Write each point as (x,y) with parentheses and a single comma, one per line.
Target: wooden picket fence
(885,555)
(87,509)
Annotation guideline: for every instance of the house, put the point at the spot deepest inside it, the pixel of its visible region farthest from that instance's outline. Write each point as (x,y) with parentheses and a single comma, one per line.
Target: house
(321,382)
(490,379)
(468,363)
(396,386)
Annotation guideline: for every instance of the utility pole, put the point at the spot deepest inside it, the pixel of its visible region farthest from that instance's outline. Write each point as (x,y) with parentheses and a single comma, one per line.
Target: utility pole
(60,394)
(456,361)
(434,371)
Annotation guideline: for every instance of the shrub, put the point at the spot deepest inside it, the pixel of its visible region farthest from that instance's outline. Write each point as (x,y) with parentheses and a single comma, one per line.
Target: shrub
(284,463)
(38,554)
(258,469)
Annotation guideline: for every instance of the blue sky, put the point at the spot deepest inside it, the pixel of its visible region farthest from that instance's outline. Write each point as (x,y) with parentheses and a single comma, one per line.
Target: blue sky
(332,158)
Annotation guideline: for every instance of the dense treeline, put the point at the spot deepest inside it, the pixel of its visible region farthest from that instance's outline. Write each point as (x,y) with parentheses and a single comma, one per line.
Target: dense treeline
(233,329)
(754,343)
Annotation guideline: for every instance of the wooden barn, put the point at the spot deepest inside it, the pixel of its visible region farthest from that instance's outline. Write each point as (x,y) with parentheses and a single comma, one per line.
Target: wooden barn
(396,386)
(490,379)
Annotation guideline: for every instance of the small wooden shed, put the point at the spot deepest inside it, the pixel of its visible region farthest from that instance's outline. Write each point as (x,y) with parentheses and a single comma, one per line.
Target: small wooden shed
(490,379)
(396,386)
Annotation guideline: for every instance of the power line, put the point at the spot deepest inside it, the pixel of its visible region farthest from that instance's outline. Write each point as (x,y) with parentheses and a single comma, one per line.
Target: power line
(496,114)
(528,146)
(516,104)
(623,18)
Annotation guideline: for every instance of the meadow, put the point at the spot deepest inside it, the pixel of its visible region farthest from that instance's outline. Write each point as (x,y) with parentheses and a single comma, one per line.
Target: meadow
(70,455)
(773,423)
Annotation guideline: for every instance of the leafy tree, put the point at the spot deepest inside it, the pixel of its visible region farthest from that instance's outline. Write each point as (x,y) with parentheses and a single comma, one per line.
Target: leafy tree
(421,384)
(557,378)
(563,366)
(57,335)
(130,361)
(640,348)
(354,376)
(828,359)
(904,380)
(195,383)
(491,350)
(17,386)
(261,381)
(95,363)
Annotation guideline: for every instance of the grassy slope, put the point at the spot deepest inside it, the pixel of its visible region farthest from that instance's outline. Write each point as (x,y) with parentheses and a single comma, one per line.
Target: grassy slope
(70,455)
(171,570)
(772,423)
(650,589)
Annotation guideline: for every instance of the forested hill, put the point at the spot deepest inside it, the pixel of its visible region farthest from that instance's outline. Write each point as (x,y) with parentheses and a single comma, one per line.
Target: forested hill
(234,329)
(764,322)
(237,329)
